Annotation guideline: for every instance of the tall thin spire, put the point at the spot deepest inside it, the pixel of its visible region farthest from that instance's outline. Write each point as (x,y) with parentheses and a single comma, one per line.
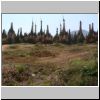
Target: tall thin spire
(35,28)
(21,33)
(32,28)
(89,27)
(63,24)
(21,30)
(69,37)
(92,27)
(47,29)
(60,28)
(11,25)
(80,26)
(69,31)
(18,31)
(41,26)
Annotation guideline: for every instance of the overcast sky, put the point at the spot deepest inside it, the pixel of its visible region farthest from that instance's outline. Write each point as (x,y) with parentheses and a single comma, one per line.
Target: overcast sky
(53,20)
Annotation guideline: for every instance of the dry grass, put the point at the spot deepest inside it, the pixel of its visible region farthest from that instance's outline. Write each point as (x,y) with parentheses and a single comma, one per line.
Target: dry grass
(50,65)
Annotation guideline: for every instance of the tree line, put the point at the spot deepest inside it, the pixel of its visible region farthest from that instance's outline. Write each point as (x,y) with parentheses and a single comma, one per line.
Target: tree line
(45,37)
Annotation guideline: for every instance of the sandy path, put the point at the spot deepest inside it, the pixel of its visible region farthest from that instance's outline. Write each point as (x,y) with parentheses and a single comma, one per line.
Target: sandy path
(63,57)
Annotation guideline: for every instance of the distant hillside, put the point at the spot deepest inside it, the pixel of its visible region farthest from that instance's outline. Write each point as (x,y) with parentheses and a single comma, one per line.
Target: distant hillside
(84,32)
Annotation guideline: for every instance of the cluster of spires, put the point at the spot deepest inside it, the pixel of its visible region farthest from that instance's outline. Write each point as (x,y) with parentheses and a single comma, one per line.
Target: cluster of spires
(45,37)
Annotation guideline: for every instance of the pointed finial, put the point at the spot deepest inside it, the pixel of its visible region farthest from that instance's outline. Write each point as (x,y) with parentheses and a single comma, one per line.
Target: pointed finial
(80,26)
(92,26)
(89,27)
(69,31)
(41,26)
(11,25)
(35,28)
(60,27)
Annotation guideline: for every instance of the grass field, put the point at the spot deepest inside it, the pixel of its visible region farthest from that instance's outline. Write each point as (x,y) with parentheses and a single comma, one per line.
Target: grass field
(50,65)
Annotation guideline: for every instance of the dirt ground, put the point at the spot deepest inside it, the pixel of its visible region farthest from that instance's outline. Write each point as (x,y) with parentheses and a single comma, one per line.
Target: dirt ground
(45,61)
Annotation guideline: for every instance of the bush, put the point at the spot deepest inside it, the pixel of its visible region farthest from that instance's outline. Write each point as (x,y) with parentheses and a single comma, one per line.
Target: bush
(15,74)
(80,73)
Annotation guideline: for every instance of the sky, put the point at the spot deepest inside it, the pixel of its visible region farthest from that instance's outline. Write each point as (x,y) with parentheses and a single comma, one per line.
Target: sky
(53,20)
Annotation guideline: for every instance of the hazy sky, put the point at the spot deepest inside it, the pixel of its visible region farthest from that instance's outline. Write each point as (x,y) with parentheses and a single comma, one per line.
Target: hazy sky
(53,20)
